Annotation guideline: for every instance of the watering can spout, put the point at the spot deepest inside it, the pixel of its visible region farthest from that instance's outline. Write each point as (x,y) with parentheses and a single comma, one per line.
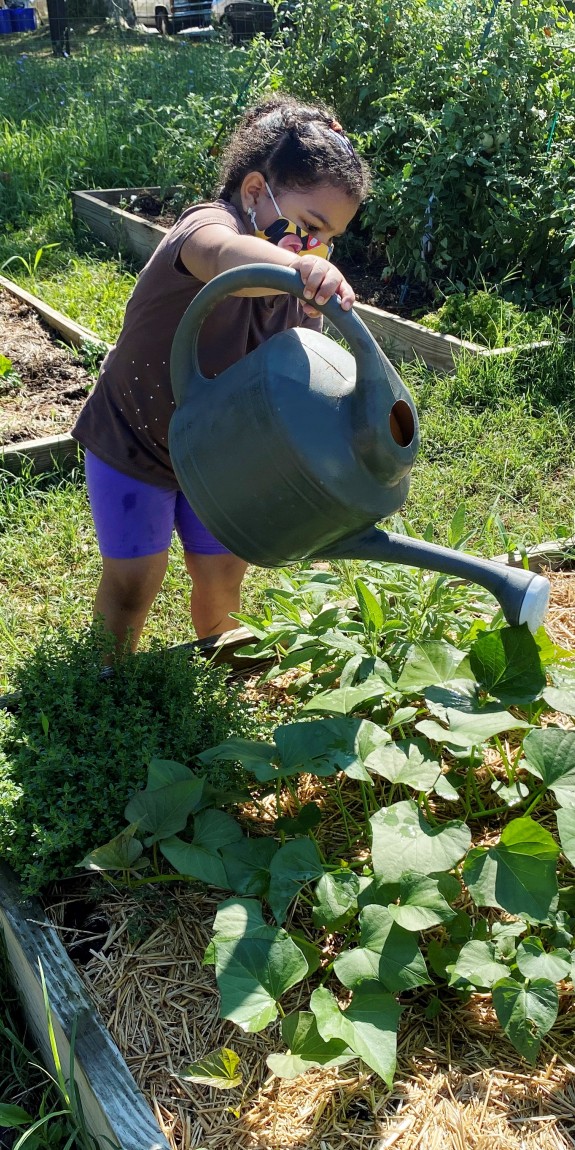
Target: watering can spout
(522,595)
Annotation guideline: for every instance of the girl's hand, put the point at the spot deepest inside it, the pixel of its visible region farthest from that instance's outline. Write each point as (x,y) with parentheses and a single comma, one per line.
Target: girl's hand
(322,280)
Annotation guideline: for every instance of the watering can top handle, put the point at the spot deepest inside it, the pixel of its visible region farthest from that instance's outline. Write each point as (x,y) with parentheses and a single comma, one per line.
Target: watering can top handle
(185,345)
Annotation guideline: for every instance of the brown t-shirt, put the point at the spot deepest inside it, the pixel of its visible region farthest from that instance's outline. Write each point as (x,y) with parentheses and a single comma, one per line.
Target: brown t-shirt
(125,420)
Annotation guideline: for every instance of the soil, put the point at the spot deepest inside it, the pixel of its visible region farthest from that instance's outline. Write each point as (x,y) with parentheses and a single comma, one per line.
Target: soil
(367,275)
(46,386)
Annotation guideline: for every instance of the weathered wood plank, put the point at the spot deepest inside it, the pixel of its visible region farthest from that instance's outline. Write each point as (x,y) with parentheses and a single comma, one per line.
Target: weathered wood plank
(73,332)
(41,454)
(114,1109)
(120,229)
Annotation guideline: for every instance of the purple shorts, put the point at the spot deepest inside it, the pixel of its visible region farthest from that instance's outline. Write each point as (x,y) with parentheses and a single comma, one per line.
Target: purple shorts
(134,518)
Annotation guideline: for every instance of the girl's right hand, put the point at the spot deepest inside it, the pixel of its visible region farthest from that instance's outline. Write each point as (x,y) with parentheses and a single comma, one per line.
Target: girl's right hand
(322,280)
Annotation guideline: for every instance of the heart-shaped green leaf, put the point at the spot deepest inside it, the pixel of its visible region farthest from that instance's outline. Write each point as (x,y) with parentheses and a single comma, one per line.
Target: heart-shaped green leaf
(336,894)
(518,874)
(387,953)
(368,1026)
(534,962)
(506,663)
(421,904)
(294,865)
(403,842)
(550,755)
(526,1013)
(247,865)
(477,963)
(120,853)
(470,729)
(429,664)
(201,859)
(219,1069)
(165,811)
(307,1049)
(408,761)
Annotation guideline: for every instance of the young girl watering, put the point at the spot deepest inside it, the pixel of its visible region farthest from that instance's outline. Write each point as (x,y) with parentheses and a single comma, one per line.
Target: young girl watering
(292,182)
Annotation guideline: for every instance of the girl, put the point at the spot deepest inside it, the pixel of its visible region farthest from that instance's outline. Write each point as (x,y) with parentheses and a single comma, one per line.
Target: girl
(291,183)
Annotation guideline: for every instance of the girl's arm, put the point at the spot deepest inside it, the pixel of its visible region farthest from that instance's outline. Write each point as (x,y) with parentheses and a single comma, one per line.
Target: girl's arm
(215,248)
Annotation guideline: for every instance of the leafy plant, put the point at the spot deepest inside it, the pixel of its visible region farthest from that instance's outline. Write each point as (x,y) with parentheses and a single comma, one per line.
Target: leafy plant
(9,378)
(80,741)
(484,317)
(384,884)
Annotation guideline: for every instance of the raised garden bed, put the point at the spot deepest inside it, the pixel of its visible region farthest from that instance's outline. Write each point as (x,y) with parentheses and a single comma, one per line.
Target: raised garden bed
(158,1002)
(45,385)
(402,339)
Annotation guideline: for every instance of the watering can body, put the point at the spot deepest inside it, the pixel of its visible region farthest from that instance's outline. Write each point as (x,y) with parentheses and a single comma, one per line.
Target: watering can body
(301,447)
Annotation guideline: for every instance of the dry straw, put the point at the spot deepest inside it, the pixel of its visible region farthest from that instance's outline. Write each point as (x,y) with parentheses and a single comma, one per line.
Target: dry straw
(460,1084)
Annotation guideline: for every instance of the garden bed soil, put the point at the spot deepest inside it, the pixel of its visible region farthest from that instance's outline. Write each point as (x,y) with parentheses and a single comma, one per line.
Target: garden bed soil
(49,385)
(459,1082)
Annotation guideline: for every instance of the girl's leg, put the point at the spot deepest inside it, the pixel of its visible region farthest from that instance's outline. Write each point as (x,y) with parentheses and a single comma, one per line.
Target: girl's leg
(134,523)
(126,592)
(216,586)
(216,574)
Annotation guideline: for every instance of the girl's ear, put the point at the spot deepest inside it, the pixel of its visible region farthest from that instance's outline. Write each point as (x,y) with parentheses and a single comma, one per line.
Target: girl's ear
(253,186)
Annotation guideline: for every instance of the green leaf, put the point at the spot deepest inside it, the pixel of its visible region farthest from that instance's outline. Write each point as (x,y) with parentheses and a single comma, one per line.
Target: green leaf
(550,756)
(566,827)
(368,1026)
(255,964)
(560,700)
(307,1049)
(410,762)
(369,607)
(506,663)
(13,1115)
(387,953)
(162,772)
(294,865)
(323,746)
(534,962)
(421,904)
(307,818)
(403,842)
(344,700)
(201,859)
(120,853)
(219,1069)
(166,810)
(518,874)
(336,894)
(477,963)
(429,664)
(472,729)
(255,757)
(526,1013)
(247,865)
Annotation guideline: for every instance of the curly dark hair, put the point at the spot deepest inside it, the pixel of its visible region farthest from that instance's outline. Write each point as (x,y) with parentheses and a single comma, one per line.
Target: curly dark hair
(294,145)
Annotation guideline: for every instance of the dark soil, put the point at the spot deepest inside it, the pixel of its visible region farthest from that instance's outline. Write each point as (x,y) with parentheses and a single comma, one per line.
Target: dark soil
(365,275)
(46,386)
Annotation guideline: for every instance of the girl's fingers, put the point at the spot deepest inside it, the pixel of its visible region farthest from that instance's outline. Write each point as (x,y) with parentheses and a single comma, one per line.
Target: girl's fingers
(323,280)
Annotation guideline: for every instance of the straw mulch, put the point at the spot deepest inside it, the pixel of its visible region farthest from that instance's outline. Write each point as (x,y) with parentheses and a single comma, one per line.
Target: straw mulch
(460,1084)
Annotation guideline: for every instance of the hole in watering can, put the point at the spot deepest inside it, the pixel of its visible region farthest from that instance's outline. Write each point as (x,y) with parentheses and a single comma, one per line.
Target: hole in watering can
(401,423)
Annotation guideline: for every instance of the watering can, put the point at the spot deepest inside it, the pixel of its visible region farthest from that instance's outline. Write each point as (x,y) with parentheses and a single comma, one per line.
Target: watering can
(300,448)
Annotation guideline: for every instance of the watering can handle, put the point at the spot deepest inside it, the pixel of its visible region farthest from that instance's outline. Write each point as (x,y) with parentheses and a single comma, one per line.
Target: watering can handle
(371,405)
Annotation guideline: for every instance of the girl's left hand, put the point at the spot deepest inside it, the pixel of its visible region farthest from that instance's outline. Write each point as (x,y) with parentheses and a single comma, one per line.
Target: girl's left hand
(322,280)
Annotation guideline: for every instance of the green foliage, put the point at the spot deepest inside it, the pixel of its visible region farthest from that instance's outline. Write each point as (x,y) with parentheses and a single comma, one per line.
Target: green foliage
(360,894)
(467,120)
(78,746)
(9,378)
(485,318)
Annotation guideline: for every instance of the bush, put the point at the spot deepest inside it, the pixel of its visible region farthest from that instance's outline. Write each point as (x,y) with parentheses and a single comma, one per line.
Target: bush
(466,116)
(485,318)
(80,743)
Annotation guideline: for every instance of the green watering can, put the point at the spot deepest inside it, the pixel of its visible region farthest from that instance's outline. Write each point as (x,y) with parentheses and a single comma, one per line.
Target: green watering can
(300,448)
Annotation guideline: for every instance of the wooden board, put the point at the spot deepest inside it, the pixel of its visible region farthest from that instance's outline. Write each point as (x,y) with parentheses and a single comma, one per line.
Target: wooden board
(114,1109)
(401,339)
(43,453)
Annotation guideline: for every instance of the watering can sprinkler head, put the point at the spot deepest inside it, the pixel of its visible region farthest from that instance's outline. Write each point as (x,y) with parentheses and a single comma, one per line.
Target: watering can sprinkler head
(301,447)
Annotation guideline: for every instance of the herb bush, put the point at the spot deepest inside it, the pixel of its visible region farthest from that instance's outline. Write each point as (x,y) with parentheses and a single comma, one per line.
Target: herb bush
(79,743)
(431,852)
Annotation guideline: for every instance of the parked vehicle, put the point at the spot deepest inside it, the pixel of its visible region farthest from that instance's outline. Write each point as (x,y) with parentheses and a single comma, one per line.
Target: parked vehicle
(242,19)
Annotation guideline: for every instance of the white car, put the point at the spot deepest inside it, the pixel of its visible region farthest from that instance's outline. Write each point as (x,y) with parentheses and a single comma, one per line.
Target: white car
(241,18)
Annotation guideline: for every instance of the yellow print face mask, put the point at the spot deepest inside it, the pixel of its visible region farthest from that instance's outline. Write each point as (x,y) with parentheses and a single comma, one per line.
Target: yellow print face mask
(285,234)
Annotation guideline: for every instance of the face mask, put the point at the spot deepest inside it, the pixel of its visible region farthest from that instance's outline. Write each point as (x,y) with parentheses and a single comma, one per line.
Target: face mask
(286,234)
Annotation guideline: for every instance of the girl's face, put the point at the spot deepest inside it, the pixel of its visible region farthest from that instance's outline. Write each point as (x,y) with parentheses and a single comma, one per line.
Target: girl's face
(323,212)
